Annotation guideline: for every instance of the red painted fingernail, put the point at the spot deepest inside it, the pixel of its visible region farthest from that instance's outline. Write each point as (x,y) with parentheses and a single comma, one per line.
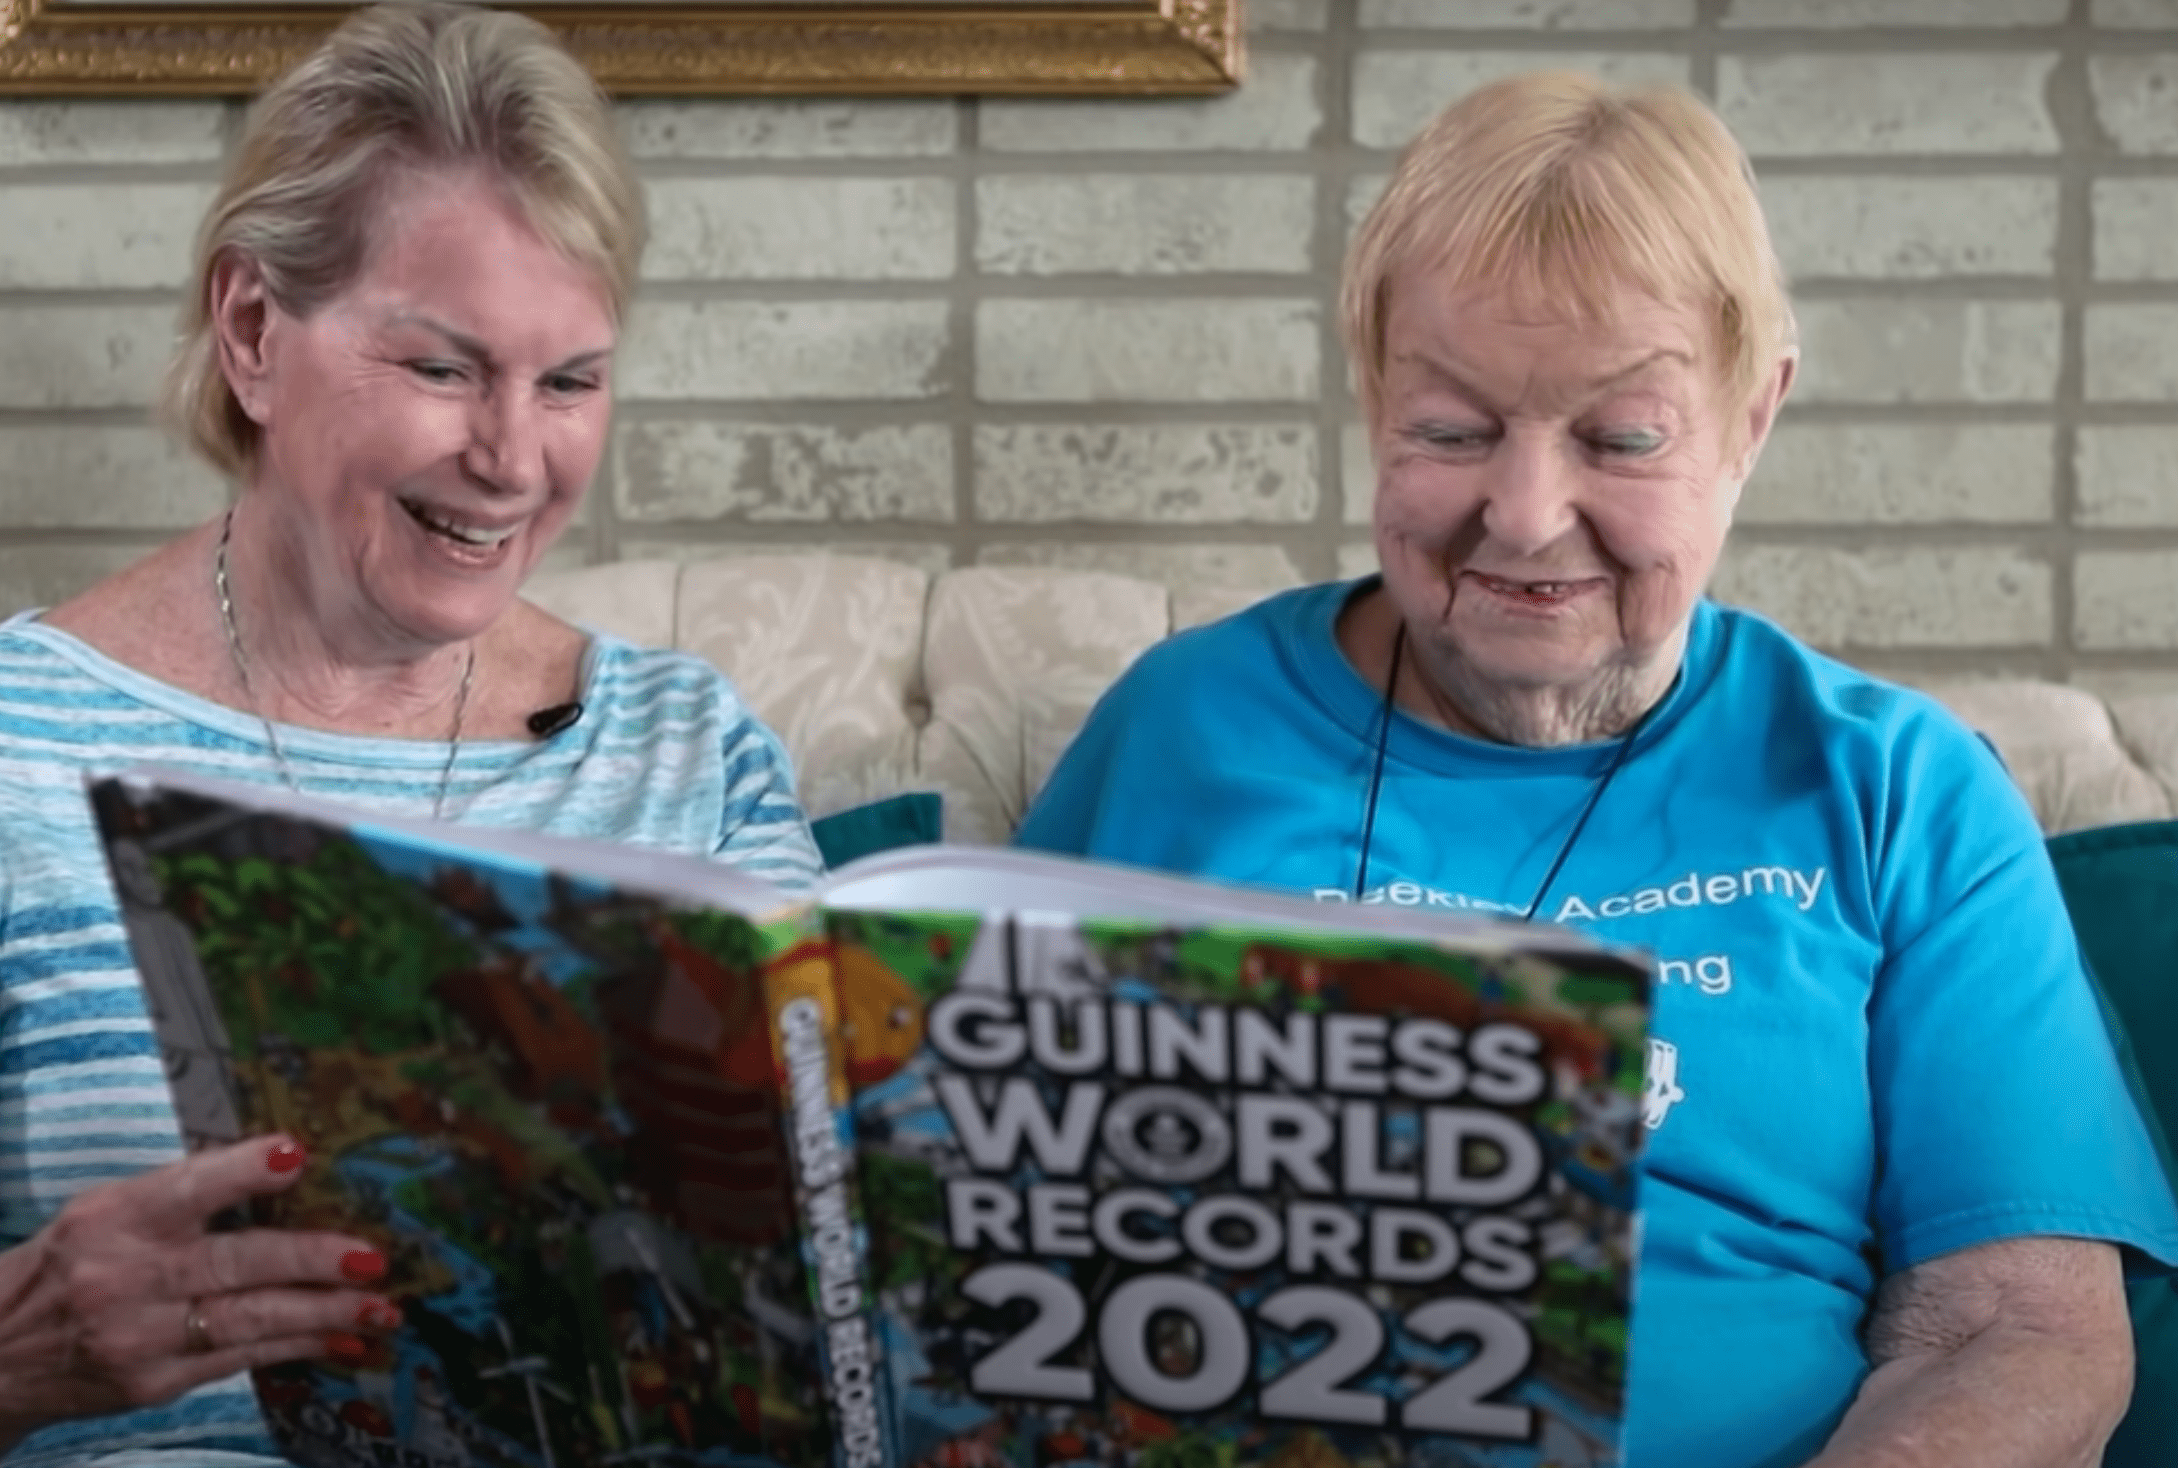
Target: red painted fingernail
(378,1315)
(344,1347)
(362,1265)
(285,1157)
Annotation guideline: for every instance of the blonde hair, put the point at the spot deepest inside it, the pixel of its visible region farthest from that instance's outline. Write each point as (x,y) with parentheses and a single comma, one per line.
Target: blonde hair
(398,88)
(1557,188)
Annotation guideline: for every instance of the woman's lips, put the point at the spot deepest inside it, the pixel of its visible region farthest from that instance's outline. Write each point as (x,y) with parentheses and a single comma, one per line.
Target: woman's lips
(1534,591)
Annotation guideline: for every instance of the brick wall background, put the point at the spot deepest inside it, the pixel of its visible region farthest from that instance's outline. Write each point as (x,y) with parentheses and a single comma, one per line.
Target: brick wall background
(1101,333)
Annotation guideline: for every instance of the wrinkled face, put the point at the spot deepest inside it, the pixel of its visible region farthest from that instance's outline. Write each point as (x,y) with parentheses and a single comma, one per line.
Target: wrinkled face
(430,431)
(1551,496)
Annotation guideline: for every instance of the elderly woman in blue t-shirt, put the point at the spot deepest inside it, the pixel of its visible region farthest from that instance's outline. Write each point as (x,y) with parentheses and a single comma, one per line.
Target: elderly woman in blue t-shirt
(400,342)
(1892,1162)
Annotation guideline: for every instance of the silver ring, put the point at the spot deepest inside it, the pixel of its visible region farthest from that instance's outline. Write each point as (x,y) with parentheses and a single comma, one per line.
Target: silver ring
(196,1335)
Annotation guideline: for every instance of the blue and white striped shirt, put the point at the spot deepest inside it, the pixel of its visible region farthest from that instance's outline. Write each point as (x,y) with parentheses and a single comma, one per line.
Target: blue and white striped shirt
(665,756)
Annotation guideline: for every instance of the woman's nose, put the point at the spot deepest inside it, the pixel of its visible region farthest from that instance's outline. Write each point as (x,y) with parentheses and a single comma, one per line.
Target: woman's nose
(1529,492)
(506,445)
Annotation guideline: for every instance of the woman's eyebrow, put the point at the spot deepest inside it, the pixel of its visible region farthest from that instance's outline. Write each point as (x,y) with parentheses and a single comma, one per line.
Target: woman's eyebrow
(1598,385)
(1634,369)
(469,346)
(461,341)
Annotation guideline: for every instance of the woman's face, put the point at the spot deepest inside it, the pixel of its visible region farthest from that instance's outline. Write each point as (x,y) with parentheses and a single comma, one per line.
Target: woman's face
(428,433)
(1552,496)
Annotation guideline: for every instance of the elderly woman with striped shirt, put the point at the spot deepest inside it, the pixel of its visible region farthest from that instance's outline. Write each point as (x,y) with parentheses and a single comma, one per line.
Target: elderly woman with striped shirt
(407,297)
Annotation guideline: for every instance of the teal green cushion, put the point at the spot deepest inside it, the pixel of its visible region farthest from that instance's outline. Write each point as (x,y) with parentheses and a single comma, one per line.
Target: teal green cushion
(898,820)
(2121,885)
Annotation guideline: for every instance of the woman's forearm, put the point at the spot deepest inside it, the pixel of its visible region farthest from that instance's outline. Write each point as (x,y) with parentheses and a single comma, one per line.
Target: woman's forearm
(2012,1355)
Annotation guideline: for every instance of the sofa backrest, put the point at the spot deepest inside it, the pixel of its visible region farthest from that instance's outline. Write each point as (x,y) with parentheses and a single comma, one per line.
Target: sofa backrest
(881,677)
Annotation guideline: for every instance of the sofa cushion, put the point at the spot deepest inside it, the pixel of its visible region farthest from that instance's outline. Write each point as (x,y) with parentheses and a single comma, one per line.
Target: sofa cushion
(635,600)
(826,650)
(2121,887)
(2061,748)
(913,819)
(2147,725)
(1013,660)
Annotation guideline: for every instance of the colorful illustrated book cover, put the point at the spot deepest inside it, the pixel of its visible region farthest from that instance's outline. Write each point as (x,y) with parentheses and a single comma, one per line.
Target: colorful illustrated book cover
(582,1123)
(1197,1195)
(941,1173)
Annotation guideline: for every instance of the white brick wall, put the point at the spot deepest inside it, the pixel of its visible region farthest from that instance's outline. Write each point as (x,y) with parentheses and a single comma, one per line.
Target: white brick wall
(1143,224)
(1101,333)
(1101,350)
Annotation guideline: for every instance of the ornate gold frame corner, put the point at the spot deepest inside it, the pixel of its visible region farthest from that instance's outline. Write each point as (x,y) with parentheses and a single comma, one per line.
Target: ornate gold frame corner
(1118,47)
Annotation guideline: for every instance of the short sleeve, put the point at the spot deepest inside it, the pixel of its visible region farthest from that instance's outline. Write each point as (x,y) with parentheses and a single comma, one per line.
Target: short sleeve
(762,830)
(2000,1107)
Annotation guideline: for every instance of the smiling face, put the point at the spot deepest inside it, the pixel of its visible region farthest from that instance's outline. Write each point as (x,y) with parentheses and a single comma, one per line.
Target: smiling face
(1552,496)
(428,432)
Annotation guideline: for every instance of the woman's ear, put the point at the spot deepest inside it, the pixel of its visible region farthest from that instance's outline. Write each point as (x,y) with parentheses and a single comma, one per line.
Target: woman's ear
(241,313)
(1761,413)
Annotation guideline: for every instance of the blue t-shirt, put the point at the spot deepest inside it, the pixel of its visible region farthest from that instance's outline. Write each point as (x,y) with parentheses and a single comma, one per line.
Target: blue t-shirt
(1874,1042)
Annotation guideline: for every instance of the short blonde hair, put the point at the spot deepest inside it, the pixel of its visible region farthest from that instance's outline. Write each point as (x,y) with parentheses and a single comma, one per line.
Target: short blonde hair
(1557,188)
(400,87)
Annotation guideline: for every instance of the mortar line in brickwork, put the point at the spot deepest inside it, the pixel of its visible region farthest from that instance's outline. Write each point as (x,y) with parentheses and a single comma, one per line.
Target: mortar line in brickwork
(166,297)
(1175,163)
(1910,165)
(966,292)
(868,413)
(2029,537)
(89,537)
(1701,47)
(1334,165)
(1949,288)
(200,173)
(1849,412)
(108,415)
(2071,107)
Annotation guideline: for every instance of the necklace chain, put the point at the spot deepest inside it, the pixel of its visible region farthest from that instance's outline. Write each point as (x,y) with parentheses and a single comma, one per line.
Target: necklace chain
(272,734)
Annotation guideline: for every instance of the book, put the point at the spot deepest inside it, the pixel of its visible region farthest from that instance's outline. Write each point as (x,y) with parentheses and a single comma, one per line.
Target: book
(976,1157)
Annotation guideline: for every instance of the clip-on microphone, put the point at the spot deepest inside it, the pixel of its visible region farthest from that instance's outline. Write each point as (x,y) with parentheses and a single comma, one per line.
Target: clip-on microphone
(556,719)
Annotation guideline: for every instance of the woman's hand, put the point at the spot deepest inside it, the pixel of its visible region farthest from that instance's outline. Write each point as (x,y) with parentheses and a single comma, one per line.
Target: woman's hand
(125,1300)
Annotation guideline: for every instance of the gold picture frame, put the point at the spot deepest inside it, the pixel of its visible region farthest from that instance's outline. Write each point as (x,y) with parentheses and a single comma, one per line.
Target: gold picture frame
(723,48)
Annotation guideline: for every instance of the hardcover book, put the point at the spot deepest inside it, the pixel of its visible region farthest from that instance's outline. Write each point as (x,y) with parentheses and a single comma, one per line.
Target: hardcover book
(976,1157)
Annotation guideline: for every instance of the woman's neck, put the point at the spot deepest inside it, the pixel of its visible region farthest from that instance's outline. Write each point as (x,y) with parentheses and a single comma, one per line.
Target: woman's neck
(1437,685)
(291,663)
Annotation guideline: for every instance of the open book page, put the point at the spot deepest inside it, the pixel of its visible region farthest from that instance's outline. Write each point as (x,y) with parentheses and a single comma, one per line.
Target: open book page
(660,873)
(557,1104)
(990,879)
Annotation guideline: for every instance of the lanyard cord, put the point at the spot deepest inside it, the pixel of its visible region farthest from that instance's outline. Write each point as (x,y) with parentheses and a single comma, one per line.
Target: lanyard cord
(1376,783)
(1376,770)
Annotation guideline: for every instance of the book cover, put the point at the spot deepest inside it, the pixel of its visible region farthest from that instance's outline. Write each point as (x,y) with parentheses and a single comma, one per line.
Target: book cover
(598,1133)
(984,1158)
(1196,1194)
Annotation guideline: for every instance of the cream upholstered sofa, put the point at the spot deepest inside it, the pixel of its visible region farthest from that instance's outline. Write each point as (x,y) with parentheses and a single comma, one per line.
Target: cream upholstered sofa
(883,678)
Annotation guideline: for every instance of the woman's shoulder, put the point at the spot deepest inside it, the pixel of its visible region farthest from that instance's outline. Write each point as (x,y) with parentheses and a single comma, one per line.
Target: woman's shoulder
(1845,707)
(654,693)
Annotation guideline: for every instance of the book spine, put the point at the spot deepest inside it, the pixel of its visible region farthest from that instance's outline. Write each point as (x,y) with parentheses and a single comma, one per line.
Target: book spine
(803,1000)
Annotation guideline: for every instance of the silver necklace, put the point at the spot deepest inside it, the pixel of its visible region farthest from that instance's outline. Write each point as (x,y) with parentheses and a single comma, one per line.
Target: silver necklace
(272,735)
